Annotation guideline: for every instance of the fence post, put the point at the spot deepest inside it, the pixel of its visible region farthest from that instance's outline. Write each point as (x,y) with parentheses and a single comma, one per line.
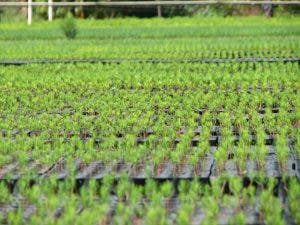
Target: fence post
(159,11)
(29,12)
(50,10)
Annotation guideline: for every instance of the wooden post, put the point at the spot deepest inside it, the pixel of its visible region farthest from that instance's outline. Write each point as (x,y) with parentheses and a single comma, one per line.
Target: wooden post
(29,12)
(159,11)
(50,10)
(81,11)
(268,9)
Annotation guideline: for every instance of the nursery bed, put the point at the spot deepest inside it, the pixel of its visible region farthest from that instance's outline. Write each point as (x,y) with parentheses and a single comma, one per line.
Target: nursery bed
(172,206)
(181,121)
(283,59)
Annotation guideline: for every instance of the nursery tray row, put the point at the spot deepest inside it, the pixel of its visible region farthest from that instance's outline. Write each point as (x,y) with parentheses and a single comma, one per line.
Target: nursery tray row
(205,169)
(252,212)
(70,111)
(252,215)
(118,61)
(214,139)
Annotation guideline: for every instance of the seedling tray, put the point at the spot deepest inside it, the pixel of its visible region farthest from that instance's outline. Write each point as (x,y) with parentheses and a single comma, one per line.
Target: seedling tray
(153,61)
(169,171)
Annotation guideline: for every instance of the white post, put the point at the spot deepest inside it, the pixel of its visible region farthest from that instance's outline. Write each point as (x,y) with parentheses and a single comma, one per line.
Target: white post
(50,10)
(29,12)
(159,11)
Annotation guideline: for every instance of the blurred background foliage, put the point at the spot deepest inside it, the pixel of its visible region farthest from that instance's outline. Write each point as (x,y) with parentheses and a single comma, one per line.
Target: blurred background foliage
(40,13)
